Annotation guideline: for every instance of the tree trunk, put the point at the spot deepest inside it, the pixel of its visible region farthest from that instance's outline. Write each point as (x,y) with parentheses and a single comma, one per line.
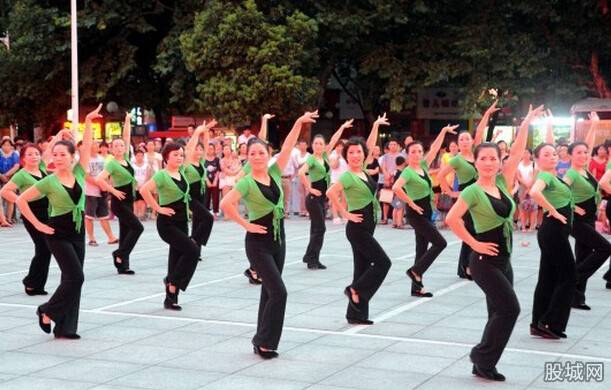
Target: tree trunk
(599,81)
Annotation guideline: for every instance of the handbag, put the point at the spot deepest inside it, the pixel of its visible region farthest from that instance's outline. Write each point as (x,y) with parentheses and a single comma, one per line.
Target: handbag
(386,195)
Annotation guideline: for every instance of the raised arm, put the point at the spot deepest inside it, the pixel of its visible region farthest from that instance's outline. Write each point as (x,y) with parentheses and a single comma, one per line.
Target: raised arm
(519,145)
(47,156)
(436,145)
(443,183)
(291,138)
(337,135)
(373,135)
(483,124)
(264,123)
(203,129)
(127,131)
(591,136)
(549,127)
(88,138)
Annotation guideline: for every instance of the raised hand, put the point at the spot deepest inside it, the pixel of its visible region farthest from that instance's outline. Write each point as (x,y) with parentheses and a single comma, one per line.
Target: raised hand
(536,112)
(492,109)
(308,117)
(268,116)
(450,129)
(382,120)
(95,114)
(347,124)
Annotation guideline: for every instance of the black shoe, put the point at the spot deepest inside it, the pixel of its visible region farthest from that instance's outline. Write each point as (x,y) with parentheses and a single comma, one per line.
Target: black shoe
(608,285)
(72,336)
(486,373)
(264,354)
(417,283)
(251,279)
(199,259)
(35,291)
(125,271)
(170,304)
(317,265)
(45,327)
(354,305)
(546,331)
(356,321)
(421,294)
(581,306)
(463,273)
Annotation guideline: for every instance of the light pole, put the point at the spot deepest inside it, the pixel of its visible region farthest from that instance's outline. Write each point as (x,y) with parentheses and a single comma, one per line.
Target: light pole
(74,67)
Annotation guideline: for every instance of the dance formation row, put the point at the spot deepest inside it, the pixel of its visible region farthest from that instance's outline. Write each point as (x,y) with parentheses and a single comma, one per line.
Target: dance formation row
(482,217)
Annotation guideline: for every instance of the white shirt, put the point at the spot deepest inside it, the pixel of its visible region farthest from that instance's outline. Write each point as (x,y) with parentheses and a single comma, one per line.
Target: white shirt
(342,166)
(96,165)
(157,165)
(242,139)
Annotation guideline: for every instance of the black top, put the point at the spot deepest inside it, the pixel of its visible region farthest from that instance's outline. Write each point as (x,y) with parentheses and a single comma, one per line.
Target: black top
(373,165)
(179,207)
(195,188)
(588,205)
(321,185)
(40,207)
(63,224)
(372,185)
(502,207)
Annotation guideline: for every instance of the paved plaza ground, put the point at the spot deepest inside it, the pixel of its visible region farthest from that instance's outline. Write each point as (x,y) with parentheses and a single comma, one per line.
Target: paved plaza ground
(130,342)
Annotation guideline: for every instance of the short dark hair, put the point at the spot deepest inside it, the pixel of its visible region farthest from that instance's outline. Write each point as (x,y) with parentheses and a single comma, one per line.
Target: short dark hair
(256,140)
(24,150)
(576,144)
(487,145)
(69,145)
(399,160)
(407,148)
(168,148)
(354,141)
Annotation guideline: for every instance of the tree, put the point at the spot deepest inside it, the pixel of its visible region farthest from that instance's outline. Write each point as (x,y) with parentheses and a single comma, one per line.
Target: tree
(244,65)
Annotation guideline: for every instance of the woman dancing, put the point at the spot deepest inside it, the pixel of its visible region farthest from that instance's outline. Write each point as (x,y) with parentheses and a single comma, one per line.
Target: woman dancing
(462,165)
(172,188)
(414,188)
(65,191)
(491,206)
(316,182)
(371,264)
(261,190)
(123,191)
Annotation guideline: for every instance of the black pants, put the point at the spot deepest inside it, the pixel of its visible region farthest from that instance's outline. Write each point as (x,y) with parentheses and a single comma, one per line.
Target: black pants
(202,222)
(591,252)
(465,250)
(130,229)
(557,276)
(184,253)
(63,307)
(212,195)
(607,275)
(371,264)
(267,256)
(495,277)
(426,233)
(316,208)
(39,266)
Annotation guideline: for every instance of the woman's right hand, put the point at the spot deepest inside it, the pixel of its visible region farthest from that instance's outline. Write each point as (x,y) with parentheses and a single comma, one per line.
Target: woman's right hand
(555,214)
(453,194)
(356,218)
(118,194)
(254,228)
(485,248)
(416,208)
(46,229)
(315,192)
(167,211)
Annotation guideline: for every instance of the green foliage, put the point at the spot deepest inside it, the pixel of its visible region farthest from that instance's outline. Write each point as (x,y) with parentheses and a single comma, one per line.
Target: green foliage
(245,65)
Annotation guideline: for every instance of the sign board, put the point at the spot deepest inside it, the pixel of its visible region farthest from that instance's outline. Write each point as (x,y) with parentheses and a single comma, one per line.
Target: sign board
(438,103)
(96,127)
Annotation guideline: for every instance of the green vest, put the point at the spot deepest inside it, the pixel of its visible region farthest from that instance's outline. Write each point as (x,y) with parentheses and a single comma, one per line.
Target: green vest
(358,194)
(581,187)
(482,212)
(465,171)
(192,175)
(119,174)
(60,202)
(415,186)
(24,179)
(258,205)
(316,170)
(556,192)
(168,190)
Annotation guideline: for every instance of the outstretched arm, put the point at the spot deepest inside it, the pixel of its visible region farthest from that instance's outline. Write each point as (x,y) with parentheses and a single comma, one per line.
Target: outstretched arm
(591,136)
(264,123)
(193,141)
(373,135)
(519,145)
(291,138)
(436,145)
(127,131)
(549,127)
(66,134)
(88,138)
(337,135)
(483,124)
